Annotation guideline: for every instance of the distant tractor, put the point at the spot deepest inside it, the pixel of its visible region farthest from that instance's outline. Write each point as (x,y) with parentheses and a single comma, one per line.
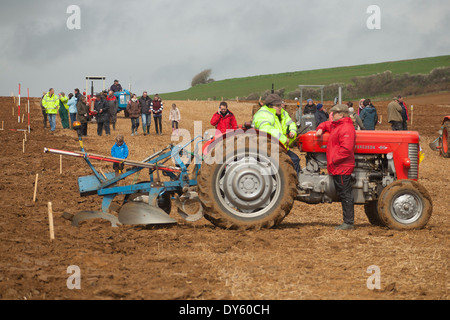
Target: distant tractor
(122,97)
(442,143)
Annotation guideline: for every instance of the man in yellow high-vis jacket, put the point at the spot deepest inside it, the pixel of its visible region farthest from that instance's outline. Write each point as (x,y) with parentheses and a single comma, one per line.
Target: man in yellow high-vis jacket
(274,120)
(51,105)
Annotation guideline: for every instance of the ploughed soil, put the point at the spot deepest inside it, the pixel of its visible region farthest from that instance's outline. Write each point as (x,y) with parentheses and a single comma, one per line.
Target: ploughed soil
(303,258)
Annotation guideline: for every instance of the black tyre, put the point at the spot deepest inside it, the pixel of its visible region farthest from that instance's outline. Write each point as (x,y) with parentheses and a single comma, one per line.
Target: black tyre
(248,182)
(444,140)
(405,205)
(371,210)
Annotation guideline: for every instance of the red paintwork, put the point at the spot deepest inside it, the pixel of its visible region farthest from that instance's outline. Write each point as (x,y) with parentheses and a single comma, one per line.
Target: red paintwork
(371,142)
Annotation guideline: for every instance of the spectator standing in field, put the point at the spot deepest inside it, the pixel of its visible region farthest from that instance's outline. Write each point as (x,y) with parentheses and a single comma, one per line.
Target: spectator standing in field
(321,115)
(83,114)
(146,103)
(72,103)
(298,113)
(357,123)
(64,110)
(310,107)
(361,105)
(51,105)
(134,110)
(175,118)
(405,115)
(369,115)
(116,87)
(44,112)
(341,159)
(223,119)
(77,94)
(120,151)
(394,111)
(157,108)
(113,105)
(102,109)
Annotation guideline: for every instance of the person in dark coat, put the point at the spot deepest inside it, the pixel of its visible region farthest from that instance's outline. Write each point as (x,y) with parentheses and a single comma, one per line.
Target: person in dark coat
(369,115)
(321,115)
(113,105)
(102,109)
(116,87)
(83,114)
(157,108)
(134,110)
(310,107)
(405,115)
(146,103)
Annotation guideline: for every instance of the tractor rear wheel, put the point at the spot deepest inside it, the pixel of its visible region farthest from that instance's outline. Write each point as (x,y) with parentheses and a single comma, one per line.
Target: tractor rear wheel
(444,140)
(247,182)
(405,205)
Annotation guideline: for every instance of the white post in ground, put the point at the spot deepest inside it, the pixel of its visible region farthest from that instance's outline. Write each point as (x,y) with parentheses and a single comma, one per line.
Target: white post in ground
(412,114)
(50,221)
(19,106)
(35,187)
(28,92)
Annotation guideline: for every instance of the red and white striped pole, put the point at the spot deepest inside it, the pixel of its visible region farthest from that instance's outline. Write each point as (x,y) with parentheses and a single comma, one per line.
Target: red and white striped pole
(19,105)
(28,99)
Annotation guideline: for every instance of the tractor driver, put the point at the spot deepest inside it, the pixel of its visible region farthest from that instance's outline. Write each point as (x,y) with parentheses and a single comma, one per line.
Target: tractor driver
(274,120)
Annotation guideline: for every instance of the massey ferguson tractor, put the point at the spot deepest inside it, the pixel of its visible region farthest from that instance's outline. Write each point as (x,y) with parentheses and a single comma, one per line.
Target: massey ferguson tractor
(244,179)
(247,180)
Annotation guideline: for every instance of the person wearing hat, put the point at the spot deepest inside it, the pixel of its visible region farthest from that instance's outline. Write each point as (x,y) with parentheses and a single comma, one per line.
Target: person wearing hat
(321,115)
(274,120)
(341,159)
(310,107)
(394,111)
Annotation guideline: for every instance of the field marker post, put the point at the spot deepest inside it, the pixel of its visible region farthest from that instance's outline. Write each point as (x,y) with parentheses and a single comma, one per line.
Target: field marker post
(412,114)
(18,111)
(50,221)
(28,92)
(35,187)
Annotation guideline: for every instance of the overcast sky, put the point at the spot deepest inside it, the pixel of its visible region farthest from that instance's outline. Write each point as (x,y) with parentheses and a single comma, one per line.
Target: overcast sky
(159,45)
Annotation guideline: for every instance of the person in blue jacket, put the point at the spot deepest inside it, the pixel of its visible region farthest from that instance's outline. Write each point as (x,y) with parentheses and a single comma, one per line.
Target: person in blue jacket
(72,103)
(120,151)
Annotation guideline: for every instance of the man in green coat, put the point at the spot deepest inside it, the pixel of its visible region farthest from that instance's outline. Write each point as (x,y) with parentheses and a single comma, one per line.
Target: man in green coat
(274,120)
(64,110)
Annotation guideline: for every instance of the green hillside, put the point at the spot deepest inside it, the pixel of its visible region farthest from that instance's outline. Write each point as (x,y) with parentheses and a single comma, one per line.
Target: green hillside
(242,87)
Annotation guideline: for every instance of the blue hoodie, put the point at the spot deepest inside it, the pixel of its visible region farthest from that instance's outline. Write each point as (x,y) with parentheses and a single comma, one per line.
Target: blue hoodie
(120,152)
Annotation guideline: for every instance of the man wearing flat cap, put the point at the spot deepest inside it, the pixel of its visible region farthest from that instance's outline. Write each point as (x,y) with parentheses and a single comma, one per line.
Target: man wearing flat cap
(341,159)
(274,120)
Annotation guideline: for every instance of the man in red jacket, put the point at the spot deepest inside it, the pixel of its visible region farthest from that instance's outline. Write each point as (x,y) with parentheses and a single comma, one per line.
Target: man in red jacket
(223,119)
(341,158)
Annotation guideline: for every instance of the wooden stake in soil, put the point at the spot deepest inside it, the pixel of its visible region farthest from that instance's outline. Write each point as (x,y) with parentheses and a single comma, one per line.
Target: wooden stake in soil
(60,164)
(35,187)
(412,114)
(23,145)
(50,221)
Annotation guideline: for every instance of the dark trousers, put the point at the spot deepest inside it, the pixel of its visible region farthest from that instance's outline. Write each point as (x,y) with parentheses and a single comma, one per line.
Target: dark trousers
(44,114)
(295,159)
(343,185)
(73,118)
(101,125)
(405,125)
(396,125)
(84,128)
(174,124)
(158,122)
(134,124)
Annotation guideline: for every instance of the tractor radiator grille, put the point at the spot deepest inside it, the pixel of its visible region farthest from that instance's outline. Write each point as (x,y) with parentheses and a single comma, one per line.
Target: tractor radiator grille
(413,155)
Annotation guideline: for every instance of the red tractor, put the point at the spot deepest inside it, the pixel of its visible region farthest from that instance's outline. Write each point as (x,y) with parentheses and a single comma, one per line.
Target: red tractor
(247,180)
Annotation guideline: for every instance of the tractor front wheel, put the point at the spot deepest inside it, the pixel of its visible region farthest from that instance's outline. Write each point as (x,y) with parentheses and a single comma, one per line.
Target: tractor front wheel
(405,205)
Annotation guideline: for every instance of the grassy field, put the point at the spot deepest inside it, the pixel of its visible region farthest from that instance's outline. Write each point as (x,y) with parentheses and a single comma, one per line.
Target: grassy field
(242,87)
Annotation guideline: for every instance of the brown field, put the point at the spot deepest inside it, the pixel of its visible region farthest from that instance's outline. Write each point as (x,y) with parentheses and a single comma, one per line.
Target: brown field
(303,258)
